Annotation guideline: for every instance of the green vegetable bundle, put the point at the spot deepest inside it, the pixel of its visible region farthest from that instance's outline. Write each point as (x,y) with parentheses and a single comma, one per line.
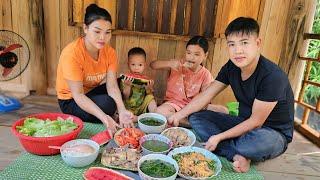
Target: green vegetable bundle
(46,128)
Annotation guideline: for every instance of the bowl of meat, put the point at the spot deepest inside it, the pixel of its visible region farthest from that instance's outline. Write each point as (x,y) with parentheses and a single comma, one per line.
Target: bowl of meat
(180,136)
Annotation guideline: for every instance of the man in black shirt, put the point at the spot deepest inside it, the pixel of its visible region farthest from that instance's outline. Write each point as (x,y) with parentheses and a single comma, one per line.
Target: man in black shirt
(264,125)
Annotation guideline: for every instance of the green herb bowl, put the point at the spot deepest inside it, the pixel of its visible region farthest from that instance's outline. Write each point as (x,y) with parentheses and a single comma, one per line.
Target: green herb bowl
(155,137)
(161,157)
(152,129)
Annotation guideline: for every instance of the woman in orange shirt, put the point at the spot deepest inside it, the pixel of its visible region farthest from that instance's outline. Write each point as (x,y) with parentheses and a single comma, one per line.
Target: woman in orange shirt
(86,76)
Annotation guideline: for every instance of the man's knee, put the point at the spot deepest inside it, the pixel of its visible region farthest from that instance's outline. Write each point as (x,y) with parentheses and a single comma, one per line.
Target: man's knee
(260,145)
(194,118)
(204,114)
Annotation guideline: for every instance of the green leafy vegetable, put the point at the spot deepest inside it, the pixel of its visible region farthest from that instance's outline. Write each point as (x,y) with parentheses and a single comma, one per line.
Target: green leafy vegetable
(157,168)
(46,128)
(212,165)
(151,121)
(155,145)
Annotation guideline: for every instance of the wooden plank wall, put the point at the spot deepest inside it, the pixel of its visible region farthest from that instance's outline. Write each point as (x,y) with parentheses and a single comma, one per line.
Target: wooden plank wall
(77,9)
(239,8)
(58,34)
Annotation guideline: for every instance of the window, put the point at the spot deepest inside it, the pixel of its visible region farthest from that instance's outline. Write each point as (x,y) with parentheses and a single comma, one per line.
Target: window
(172,17)
(175,17)
(309,96)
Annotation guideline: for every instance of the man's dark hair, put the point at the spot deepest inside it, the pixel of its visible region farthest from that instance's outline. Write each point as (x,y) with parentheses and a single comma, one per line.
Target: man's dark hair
(199,40)
(137,51)
(242,25)
(94,12)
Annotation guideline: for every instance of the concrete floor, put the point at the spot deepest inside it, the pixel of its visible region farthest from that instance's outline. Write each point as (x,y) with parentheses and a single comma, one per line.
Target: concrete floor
(300,161)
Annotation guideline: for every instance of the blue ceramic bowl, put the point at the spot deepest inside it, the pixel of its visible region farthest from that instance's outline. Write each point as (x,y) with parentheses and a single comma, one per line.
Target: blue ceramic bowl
(152,129)
(157,137)
(173,134)
(162,157)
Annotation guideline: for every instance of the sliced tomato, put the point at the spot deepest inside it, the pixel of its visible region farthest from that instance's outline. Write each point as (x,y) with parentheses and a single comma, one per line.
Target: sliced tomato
(130,136)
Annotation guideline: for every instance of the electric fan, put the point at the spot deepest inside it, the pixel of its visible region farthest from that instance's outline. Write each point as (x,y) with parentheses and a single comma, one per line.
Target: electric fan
(14,59)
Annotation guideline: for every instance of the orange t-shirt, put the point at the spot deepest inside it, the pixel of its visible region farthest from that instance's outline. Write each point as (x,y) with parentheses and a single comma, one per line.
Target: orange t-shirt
(183,85)
(76,64)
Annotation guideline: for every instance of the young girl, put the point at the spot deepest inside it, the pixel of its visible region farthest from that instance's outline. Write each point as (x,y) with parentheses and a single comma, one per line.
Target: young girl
(187,78)
(137,98)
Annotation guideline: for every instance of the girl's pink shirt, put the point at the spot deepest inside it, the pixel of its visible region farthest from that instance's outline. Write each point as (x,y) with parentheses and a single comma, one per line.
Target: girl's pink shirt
(183,85)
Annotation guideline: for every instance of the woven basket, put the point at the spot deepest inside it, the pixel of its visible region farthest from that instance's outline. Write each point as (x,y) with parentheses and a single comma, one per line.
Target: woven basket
(39,145)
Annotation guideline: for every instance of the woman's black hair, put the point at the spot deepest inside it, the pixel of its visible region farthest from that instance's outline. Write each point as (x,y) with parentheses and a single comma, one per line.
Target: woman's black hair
(94,12)
(244,25)
(199,40)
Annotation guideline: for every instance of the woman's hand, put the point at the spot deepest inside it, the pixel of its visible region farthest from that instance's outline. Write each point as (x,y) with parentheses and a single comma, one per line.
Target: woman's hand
(212,143)
(126,119)
(110,124)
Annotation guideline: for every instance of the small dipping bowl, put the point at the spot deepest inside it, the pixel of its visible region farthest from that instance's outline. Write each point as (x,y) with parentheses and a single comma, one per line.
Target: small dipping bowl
(79,159)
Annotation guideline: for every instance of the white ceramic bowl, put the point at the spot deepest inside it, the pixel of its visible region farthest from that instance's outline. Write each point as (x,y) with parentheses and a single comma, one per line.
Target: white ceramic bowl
(155,137)
(205,152)
(152,129)
(162,157)
(189,133)
(79,159)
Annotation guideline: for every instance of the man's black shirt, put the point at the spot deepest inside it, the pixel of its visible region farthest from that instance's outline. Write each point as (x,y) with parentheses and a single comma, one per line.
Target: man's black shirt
(267,83)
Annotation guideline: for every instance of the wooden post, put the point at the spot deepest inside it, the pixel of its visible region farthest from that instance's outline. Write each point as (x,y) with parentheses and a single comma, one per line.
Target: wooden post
(299,21)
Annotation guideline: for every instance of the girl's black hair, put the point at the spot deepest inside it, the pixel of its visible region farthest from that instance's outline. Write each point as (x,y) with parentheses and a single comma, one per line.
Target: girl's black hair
(94,12)
(199,40)
(244,25)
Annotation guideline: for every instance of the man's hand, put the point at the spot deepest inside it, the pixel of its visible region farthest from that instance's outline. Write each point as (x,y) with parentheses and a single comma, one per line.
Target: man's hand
(126,119)
(212,143)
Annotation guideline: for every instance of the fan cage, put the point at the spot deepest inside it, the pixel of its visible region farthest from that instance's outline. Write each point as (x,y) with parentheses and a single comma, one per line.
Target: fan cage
(7,38)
